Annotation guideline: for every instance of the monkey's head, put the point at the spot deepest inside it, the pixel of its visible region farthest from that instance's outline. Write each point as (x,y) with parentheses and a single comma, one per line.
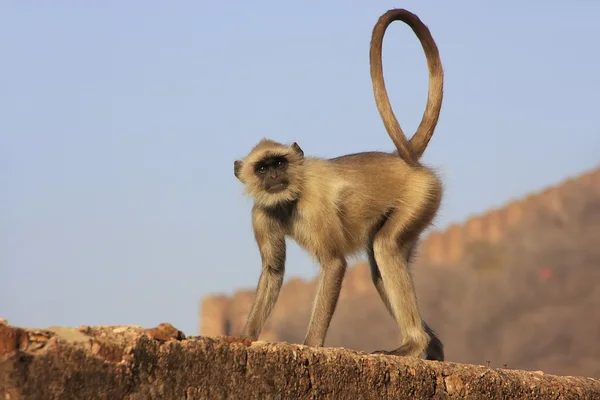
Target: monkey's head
(271,172)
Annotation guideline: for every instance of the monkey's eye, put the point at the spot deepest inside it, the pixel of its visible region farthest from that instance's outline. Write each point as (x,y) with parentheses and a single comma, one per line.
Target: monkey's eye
(262,169)
(280,164)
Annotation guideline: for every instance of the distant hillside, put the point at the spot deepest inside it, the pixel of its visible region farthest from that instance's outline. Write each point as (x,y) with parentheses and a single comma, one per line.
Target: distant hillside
(518,285)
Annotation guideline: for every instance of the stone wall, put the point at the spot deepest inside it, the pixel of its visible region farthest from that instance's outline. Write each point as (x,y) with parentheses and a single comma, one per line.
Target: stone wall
(128,362)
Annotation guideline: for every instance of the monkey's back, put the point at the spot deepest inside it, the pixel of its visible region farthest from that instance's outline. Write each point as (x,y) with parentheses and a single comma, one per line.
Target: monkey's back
(363,188)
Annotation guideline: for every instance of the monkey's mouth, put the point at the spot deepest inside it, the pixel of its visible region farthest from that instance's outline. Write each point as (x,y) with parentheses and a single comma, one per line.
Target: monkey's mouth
(277,188)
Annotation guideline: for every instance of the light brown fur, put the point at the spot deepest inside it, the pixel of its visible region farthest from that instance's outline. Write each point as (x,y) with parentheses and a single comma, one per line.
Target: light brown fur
(334,208)
(418,143)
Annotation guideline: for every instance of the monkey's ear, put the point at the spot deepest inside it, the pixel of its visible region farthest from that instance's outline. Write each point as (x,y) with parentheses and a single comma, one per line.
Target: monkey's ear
(237,168)
(297,149)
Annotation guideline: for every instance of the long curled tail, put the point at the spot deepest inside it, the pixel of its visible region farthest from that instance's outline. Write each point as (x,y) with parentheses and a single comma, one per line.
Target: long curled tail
(413,150)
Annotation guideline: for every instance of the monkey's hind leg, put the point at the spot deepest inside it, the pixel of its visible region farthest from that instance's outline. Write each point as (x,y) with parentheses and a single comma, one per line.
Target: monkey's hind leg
(435,349)
(392,245)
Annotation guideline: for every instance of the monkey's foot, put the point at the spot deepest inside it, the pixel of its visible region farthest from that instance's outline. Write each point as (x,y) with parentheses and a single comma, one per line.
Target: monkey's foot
(247,336)
(406,350)
(435,351)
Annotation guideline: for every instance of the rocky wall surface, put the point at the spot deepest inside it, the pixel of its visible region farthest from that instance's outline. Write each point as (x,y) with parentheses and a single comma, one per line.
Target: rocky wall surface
(129,362)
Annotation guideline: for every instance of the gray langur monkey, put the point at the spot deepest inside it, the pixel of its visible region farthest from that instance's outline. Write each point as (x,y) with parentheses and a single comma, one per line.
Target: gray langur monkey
(333,208)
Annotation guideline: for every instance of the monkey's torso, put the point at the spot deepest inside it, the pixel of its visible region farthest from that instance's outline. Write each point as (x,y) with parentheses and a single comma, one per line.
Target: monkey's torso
(352,186)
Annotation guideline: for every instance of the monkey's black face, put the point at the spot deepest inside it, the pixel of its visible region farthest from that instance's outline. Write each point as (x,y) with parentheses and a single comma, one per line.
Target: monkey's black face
(273,173)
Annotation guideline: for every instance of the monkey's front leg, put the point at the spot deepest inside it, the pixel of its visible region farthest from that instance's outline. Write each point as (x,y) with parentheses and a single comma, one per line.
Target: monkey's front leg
(272,250)
(267,292)
(328,292)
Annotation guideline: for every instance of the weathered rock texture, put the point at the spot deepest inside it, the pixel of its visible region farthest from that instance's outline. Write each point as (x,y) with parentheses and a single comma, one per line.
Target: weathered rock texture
(127,362)
(516,286)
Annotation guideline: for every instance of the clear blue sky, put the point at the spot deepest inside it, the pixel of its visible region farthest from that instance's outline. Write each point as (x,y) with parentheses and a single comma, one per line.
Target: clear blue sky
(120,122)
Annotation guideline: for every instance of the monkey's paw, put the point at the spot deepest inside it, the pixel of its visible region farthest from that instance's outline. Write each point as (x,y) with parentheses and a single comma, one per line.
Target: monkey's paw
(384,352)
(402,351)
